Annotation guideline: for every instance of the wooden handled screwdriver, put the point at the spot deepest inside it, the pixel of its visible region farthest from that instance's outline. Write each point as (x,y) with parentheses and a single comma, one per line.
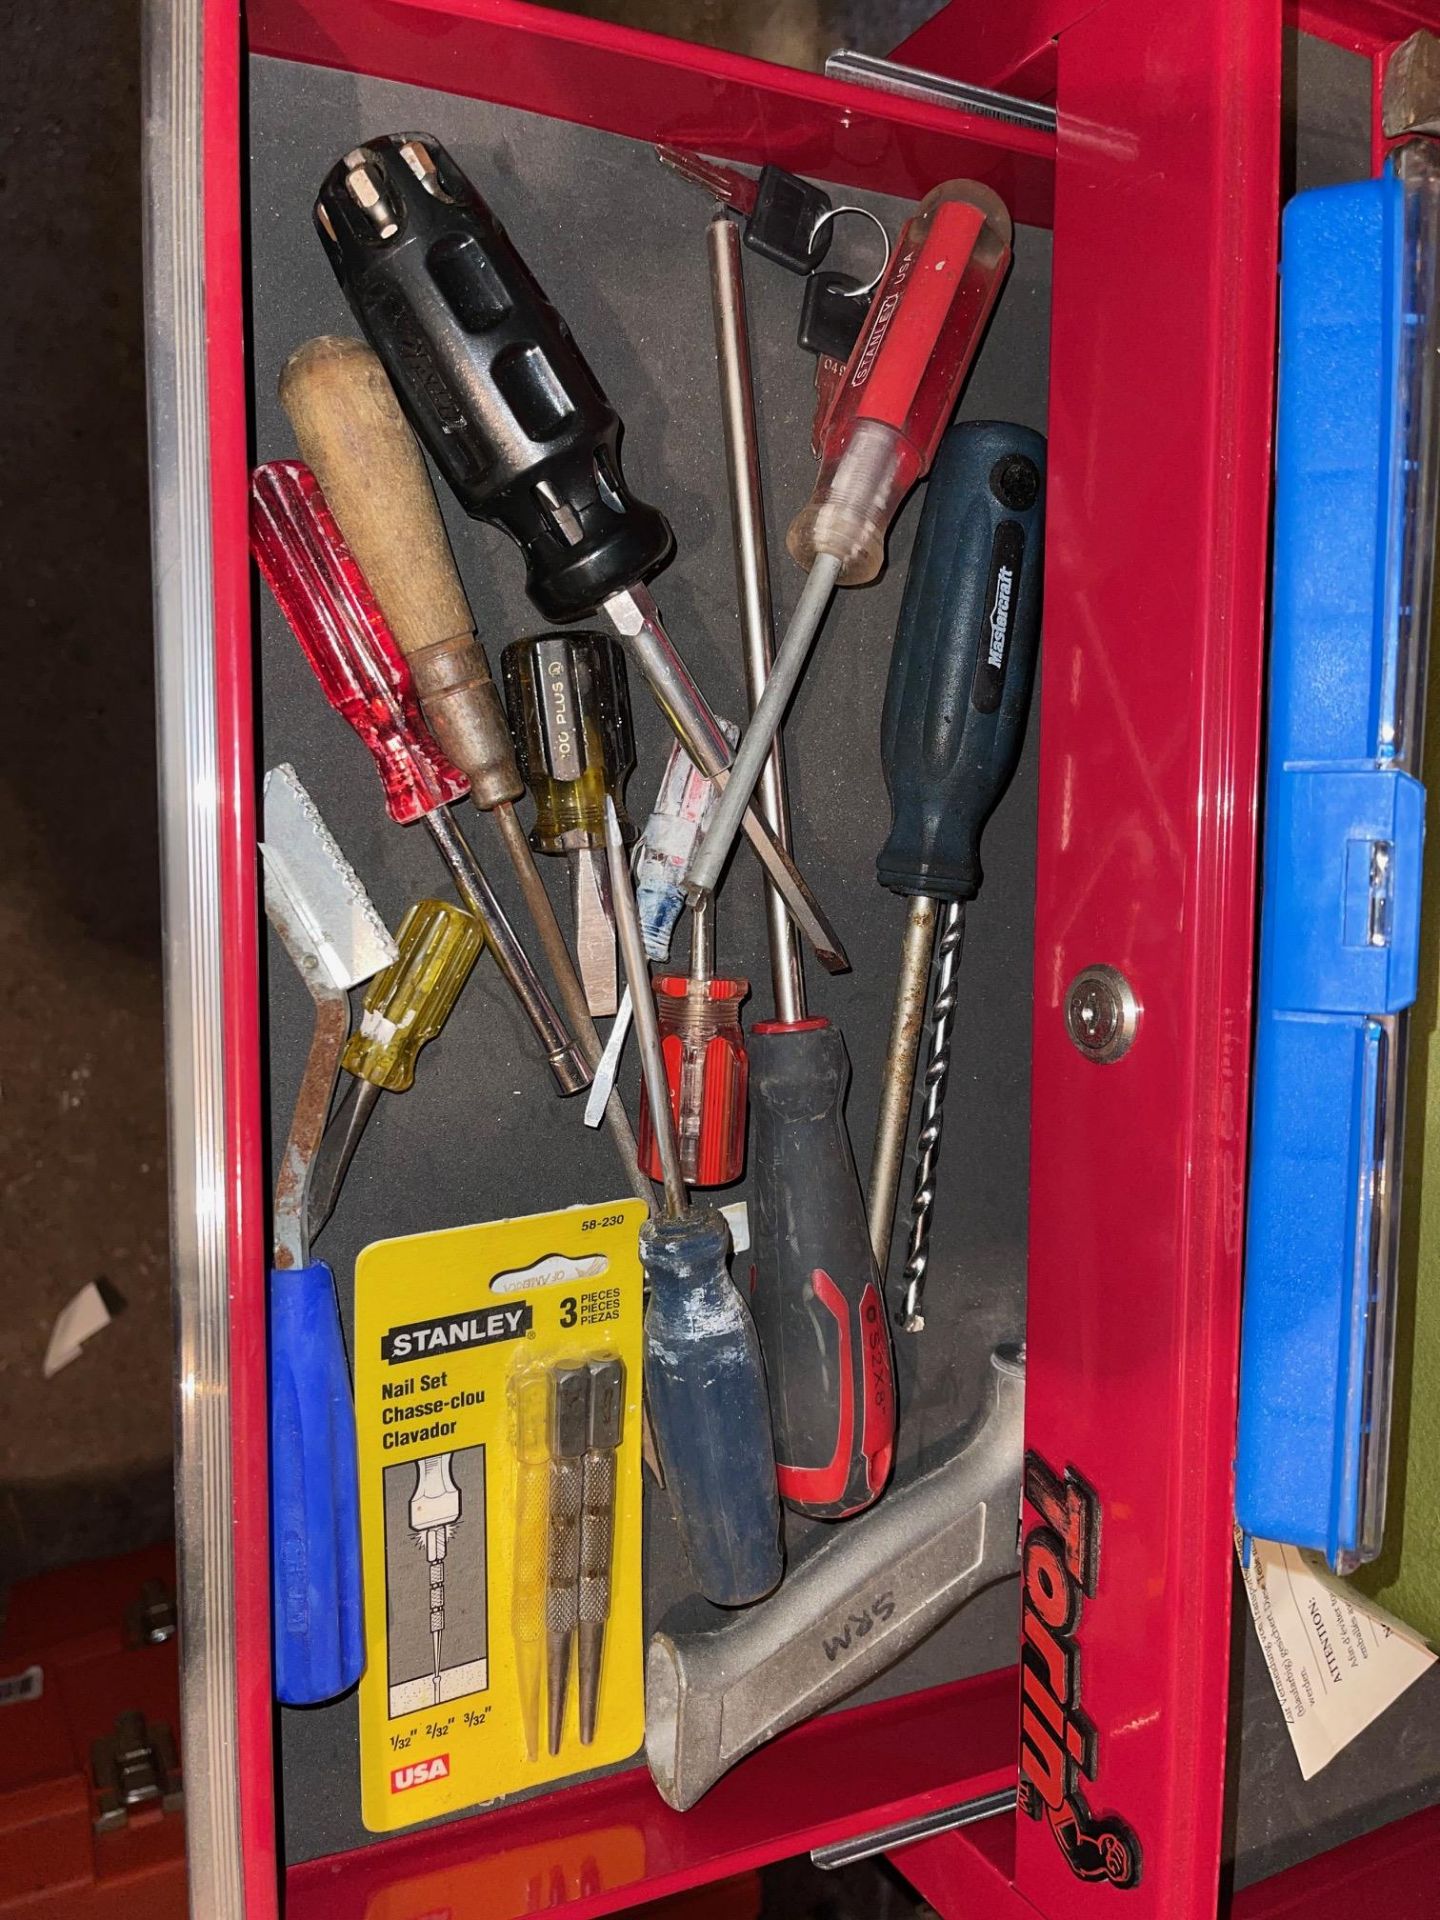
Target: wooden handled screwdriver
(351,432)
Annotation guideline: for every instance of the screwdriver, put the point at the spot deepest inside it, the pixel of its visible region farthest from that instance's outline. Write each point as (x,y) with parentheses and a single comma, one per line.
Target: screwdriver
(816,1295)
(404,1008)
(569,710)
(349,430)
(878,438)
(495,387)
(704,1378)
(956,706)
(705,1066)
(342,633)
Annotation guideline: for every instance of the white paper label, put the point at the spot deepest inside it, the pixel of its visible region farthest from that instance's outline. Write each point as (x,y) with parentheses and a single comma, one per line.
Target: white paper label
(1336,1660)
(737,1218)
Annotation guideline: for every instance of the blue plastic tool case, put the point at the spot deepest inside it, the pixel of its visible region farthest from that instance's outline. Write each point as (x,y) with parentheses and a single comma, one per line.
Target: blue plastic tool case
(1340,916)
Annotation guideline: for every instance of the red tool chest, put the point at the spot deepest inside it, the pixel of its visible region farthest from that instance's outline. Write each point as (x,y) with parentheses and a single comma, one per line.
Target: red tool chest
(1161,187)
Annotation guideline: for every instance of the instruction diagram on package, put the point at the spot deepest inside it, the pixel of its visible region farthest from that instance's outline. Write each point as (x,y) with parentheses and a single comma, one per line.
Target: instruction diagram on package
(435,1579)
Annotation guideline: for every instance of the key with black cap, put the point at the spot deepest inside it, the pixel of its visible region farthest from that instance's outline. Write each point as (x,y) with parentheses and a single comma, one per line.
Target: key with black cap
(783,215)
(832,312)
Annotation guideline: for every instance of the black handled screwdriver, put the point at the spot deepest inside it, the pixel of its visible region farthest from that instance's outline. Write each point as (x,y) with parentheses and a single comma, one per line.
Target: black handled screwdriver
(495,387)
(956,706)
(818,1305)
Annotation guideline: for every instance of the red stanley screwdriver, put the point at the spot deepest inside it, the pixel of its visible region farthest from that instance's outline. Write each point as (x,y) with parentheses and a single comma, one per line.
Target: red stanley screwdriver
(878,437)
(342,633)
(705,1064)
(815,1289)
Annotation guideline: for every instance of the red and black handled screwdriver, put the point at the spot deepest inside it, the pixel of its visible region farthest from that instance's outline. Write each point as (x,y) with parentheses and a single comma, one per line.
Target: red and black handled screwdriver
(815,1293)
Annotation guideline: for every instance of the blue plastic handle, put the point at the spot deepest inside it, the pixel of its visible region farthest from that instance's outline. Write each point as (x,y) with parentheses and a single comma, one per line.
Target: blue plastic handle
(705,1382)
(314,1493)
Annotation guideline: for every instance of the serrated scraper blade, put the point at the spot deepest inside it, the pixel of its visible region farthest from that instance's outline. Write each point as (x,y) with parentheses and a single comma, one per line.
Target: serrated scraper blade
(313,893)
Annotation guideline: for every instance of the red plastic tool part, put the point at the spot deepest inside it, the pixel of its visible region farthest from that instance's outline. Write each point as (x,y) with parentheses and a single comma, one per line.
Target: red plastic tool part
(878,425)
(327,601)
(708,1072)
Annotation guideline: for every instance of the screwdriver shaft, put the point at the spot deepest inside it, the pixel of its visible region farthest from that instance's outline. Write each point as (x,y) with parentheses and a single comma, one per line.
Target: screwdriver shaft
(647,1023)
(636,619)
(932,1117)
(566,1062)
(572,993)
(730,808)
(752,578)
(337,1150)
(898,1089)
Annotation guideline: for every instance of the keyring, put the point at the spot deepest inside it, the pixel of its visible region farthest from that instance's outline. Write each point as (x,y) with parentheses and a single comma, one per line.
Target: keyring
(833,213)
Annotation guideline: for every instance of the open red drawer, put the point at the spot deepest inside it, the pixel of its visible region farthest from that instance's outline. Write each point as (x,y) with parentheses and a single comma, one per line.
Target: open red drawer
(1162,188)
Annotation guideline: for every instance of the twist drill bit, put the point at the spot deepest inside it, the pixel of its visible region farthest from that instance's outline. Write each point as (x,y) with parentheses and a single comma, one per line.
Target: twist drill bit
(948,947)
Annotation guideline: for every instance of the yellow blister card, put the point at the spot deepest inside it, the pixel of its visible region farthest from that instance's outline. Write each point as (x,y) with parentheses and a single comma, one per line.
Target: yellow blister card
(497,1407)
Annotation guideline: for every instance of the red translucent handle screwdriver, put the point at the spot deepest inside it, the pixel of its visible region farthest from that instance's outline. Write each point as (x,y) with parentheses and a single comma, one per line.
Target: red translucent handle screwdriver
(705,1064)
(325,598)
(878,437)
(342,633)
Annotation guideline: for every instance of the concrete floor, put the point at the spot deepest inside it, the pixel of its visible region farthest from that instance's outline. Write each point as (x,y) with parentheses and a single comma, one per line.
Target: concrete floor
(84,1458)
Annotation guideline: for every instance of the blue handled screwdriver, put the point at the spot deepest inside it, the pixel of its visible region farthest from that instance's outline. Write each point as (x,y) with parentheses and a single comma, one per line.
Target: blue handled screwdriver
(956,706)
(704,1377)
(327,924)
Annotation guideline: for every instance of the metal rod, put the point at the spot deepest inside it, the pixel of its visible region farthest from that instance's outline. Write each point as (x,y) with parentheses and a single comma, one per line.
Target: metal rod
(566,1063)
(647,1024)
(936,89)
(636,619)
(569,987)
(337,1150)
(730,808)
(752,577)
(920,1826)
(898,1088)
(702,942)
(932,1117)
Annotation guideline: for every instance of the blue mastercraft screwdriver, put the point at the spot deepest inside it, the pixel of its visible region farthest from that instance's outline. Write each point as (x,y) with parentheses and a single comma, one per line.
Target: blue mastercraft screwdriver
(704,1378)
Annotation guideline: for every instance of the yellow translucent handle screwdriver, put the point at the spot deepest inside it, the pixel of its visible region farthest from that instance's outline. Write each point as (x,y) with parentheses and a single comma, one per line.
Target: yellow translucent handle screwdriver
(405,1007)
(569,708)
